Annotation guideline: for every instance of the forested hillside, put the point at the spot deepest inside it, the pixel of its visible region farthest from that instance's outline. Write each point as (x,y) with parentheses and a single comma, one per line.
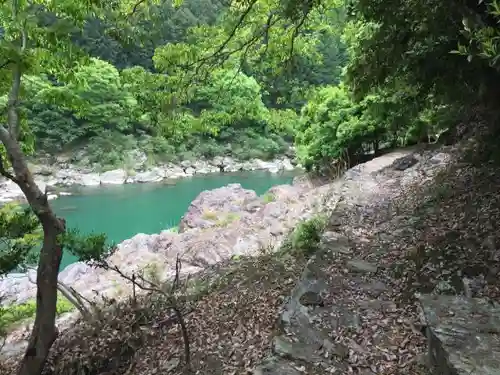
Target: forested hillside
(157,82)
(126,97)
(197,79)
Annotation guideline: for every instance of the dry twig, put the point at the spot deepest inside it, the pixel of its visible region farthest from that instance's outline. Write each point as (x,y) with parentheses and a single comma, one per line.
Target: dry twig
(149,286)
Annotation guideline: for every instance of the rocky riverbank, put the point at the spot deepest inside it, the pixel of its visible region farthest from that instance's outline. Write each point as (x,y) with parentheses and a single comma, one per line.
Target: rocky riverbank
(231,222)
(61,174)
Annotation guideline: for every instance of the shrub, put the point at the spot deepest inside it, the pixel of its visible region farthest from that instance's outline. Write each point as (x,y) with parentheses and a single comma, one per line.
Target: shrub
(158,149)
(209,215)
(306,237)
(268,197)
(228,219)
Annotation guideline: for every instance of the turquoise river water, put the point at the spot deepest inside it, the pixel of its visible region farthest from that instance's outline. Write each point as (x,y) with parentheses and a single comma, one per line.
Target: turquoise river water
(123,211)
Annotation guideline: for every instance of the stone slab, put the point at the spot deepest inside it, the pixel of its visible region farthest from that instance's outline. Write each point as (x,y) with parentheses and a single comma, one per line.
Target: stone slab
(463,334)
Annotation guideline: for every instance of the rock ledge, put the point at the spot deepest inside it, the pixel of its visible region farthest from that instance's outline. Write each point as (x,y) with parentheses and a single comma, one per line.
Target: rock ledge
(463,335)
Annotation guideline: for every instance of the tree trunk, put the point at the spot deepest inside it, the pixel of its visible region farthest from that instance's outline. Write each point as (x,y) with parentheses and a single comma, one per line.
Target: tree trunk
(44,331)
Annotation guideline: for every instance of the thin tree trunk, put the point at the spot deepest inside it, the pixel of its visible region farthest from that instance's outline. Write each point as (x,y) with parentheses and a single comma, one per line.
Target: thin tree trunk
(44,331)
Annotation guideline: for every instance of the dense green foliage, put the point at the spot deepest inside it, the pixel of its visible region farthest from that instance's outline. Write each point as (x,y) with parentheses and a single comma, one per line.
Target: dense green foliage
(305,239)
(138,91)
(337,83)
(20,233)
(412,73)
(183,80)
(209,82)
(21,236)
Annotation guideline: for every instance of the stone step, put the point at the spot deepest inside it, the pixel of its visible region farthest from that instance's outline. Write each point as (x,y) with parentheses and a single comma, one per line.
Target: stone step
(463,334)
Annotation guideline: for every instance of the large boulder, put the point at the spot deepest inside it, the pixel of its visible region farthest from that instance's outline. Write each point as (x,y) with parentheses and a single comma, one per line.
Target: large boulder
(114,177)
(209,207)
(153,175)
(90,179)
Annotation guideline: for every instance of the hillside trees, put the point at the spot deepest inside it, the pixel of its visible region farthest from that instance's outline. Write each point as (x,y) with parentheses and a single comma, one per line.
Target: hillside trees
(400,76)
(416,43)
(411,73)
(149,108)
(286,50)
(130,43)
(80,111)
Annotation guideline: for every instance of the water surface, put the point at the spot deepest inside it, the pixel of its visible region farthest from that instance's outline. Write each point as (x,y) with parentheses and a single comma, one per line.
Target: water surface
(122,211)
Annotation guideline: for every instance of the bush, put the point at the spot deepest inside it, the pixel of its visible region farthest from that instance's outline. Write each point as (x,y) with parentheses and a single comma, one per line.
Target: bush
(268,197)
(208,148)
(306,237)
(158,149)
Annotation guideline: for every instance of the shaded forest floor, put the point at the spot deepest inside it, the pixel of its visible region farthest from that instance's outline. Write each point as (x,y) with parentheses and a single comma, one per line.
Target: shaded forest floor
(427,238)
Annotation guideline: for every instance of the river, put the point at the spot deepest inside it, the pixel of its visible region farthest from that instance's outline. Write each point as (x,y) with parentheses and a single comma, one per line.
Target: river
(122,211)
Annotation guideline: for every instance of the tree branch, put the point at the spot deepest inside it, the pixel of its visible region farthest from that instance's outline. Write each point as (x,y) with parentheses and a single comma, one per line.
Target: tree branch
(4,172)
(150,286)
(136,6)
(5,64)
(233,31)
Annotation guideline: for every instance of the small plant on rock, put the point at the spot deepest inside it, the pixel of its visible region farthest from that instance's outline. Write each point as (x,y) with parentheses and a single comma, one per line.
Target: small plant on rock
(209,215)
(306,237)
(228,219)
(268,197)
(152,273)
(12,315)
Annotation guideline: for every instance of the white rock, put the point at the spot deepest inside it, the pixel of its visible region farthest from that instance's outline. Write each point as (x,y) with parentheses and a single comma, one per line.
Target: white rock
(73,272)
(114,177)
(90,179)
(136,159)
(186,164)
(174,171)
(9,191)
(67,177)
(153,175)
(287,165)
(265,165)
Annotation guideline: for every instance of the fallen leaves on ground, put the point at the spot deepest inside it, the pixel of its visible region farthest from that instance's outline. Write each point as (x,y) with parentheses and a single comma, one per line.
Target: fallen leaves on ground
(427,238)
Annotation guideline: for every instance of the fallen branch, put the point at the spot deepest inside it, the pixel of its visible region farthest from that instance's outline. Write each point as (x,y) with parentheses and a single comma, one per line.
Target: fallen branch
(76,299)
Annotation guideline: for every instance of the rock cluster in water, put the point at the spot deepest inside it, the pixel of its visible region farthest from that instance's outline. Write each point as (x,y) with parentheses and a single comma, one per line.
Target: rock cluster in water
(63,174)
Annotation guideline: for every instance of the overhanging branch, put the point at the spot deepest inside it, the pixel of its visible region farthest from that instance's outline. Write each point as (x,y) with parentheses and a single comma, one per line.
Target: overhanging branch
(5,64)
(222,53)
